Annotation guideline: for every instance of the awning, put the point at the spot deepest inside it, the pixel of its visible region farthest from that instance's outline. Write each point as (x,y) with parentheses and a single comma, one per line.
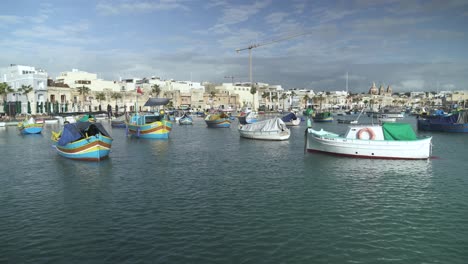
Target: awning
(156,101)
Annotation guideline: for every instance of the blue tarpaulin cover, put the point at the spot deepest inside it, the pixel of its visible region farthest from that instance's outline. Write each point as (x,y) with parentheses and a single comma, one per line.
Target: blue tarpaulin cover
(75,131)
(289,117)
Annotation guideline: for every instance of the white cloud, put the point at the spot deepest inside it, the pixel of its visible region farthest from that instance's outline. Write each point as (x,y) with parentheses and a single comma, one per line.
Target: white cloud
(240,13)
(126,7)
(276,18)
(412,85)
(9,19)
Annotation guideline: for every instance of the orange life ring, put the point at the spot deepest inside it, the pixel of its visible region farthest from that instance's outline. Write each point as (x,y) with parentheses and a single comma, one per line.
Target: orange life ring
(367,130)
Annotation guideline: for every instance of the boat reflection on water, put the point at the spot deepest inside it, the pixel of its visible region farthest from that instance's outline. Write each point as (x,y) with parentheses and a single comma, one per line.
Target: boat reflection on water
(371,168)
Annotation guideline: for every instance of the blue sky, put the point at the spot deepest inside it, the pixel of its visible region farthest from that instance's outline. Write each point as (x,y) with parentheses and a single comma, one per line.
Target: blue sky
(410,45)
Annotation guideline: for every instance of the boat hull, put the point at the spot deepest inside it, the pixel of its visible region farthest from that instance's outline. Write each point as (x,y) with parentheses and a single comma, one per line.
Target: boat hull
(265,135)
(218,123)
(427,125)
(293,122)
(185,121)
(156,130)
(31,129)
(376,149)
(327,119)
(118,124)
(94,148)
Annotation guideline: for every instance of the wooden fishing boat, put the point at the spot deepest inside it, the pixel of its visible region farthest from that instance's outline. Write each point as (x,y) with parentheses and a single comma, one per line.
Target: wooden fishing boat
(218,120)
(186,120)
(150,125)
(154,125)
(323,117)
(270,129)
(389,141)
(83,141)
(454,123)
(30,127)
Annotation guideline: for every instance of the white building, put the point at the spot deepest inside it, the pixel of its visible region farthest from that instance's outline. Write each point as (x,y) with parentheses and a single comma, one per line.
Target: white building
(77,78)
(243,90)
(18,75)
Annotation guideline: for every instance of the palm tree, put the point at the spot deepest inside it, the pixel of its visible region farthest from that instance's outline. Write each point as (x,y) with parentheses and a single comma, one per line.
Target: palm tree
(293,94)
(116,96)
(212,96)
(25,89)
(283,97)
(83,91)
(320,99)
(273,98)
(5,89)
(100,96)
(306,99)
(253,91)
(156,89)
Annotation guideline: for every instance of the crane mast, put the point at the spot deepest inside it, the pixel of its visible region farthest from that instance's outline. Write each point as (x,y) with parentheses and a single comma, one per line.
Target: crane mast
(253,46)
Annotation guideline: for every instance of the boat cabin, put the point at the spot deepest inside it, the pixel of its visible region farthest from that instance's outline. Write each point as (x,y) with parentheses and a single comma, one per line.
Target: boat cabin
(146,119)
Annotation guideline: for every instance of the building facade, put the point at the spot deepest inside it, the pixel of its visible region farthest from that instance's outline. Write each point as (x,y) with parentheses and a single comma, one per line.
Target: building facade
(19,76)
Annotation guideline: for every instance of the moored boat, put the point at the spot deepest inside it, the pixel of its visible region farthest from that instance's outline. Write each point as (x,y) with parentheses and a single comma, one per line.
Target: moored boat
(153,125)
(291,119)
(30,127)
(247,117)
(186,120)
(323,117)
(456,123)
(120,122)
(270,129)
(220,120)
(389,141)
(83,141)
(149,125)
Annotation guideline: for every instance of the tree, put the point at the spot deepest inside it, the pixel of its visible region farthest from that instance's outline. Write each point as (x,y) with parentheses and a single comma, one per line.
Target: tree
(83,91)
(116,96)
(25,90)
(5,89)
(293,94)
(306,99)
(253,91)
(283,97)
(212,96)
(319,98)
(155,89)
(100,96)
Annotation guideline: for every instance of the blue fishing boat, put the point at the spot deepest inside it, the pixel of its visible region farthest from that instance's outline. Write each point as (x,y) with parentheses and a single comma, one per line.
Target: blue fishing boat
(220,120)
(453,122)
(291,119)
(83,141)
(30,126)
(186,120)
(247,118)
(154,125)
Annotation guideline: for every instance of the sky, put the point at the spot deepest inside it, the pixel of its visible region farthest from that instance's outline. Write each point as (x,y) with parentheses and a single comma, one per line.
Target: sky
(411,45)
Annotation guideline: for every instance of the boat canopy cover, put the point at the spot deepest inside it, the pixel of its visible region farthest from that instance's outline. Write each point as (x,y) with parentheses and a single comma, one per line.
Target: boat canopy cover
(398,131)
(75,131)
(216,116)
(156,101)
(289,117)
(86,118)
(462,117)
(274,124)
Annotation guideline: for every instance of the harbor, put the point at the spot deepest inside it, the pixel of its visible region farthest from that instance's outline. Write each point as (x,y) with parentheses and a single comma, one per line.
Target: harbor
(210,196)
